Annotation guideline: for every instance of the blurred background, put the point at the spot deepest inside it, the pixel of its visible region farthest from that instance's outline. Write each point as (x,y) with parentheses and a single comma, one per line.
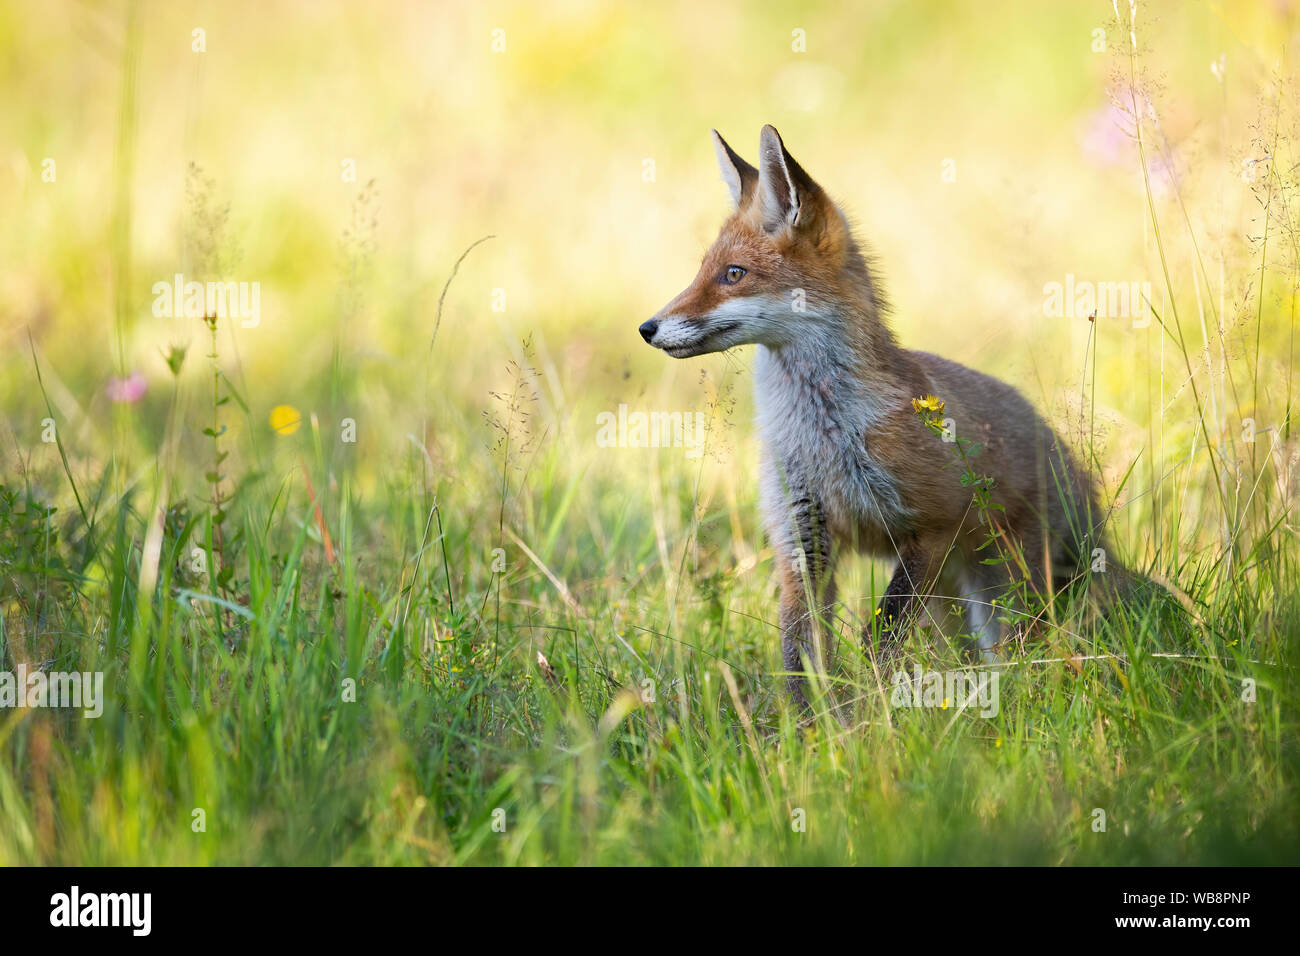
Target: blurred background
(343,156)
(456,215)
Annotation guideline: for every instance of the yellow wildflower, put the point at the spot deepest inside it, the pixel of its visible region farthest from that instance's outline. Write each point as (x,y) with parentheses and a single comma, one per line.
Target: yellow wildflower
(930,403)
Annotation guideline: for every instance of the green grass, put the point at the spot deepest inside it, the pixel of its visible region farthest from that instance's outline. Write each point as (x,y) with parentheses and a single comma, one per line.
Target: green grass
(242,714)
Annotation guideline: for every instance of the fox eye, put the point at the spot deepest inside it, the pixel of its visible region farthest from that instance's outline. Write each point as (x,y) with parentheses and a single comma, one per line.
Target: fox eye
(733,275)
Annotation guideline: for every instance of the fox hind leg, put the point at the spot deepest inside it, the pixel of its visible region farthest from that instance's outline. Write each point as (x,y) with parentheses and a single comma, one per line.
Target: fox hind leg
(899,603)
(982,617)
(905,597)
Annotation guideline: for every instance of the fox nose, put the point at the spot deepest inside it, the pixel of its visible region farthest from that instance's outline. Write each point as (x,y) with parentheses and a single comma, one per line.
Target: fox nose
(649,328)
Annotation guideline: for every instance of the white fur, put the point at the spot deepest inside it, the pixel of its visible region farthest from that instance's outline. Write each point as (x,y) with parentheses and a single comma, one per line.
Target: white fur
(981,615)
(730,175)
(811,424)
(758,319)
(776,189)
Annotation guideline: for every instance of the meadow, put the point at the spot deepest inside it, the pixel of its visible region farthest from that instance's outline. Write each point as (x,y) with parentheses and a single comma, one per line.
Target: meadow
(368,584)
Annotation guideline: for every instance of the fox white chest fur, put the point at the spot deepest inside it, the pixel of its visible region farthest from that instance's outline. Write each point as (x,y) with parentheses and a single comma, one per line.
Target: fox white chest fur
(815,413)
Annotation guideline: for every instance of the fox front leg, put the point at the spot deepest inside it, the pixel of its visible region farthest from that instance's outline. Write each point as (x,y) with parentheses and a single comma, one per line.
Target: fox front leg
(807,597)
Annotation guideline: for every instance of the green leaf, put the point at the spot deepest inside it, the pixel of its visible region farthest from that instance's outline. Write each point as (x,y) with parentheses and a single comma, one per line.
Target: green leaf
(234,392)
(184,597)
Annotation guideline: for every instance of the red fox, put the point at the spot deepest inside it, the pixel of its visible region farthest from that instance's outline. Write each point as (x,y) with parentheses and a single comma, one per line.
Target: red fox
(847,461)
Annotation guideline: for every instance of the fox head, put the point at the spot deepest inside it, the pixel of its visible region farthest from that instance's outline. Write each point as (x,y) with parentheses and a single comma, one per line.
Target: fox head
(782,259)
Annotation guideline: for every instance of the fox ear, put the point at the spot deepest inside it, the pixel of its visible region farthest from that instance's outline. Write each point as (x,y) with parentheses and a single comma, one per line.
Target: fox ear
(739,176)
(784,189)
